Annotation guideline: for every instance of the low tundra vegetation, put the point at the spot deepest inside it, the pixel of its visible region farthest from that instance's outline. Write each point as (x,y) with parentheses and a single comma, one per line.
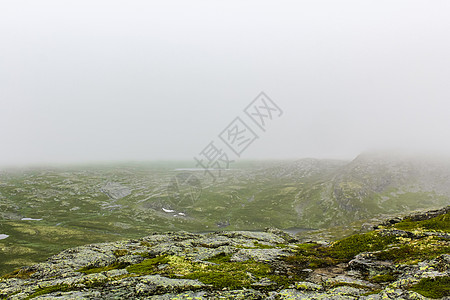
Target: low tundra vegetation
(440,223)
(312,255)
(220,271)
(437,287)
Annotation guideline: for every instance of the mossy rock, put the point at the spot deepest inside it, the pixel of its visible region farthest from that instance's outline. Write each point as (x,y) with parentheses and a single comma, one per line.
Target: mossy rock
(439,223)
(381,278)
(348,247)
(437,287)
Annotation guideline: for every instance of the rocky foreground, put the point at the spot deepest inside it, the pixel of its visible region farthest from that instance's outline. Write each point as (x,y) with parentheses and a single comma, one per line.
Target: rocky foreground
(404,258)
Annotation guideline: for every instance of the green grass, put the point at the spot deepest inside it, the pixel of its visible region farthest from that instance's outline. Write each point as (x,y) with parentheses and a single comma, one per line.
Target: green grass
(148,266)
(29,242)
(437,287)
(348,247)
(399,199)
(71,204)
(416,250)
(439,223)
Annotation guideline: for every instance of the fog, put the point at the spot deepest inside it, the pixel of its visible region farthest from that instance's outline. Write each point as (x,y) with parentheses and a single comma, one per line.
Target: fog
(85,81)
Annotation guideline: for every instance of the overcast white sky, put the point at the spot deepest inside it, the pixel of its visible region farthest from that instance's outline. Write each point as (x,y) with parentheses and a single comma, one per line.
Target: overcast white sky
(143,80)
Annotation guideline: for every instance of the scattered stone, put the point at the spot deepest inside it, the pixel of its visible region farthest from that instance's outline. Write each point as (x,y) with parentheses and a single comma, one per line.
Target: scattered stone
(175,265)
(308,286)
(115,190)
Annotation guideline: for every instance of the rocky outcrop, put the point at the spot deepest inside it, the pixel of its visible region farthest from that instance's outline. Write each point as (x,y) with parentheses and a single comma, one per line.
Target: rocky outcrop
(389,263)
(115,190)
(418,216)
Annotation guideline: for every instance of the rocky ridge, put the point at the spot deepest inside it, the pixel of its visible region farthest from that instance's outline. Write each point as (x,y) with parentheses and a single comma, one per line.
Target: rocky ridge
(403,258)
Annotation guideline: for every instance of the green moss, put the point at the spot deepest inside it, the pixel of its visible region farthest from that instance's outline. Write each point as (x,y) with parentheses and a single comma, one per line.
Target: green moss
(51,289)
(286,280)
(426,248)
(310,255)
(220,258)
(145,254)
(354,285)
(90,270)
(228,274)
(222,274)
(148,266)
(146,244)
(257,245)
(437,287)
(207,246)
(64,288)
(262,246)
(383,278)
(347,248)
(120,252)
(20,273)
(67,188)
(306,246)
(231,280)
(232,275)
(439,223)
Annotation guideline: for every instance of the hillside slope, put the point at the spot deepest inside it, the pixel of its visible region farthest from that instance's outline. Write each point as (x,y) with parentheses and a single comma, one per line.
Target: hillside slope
(404,258)
(373,185)
(44,211)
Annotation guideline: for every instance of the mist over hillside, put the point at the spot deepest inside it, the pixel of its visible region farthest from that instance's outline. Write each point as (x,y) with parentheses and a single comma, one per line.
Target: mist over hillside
(43,210)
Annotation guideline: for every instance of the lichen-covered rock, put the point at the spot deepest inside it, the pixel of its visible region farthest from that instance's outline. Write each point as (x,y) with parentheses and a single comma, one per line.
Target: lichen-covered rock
(242,265)
(130,259)
(262,255)
(350,280)
(293,294)
(308,286)
(366,262)
(252,235)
